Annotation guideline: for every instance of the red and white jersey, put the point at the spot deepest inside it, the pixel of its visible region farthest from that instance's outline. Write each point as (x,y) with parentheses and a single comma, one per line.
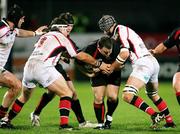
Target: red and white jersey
(50,46)
(7,38)
(131,40)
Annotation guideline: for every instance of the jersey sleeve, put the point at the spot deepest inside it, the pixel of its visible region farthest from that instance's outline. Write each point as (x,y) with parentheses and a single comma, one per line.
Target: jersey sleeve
(3,31)
(70,47)
(173,39)
(123,36)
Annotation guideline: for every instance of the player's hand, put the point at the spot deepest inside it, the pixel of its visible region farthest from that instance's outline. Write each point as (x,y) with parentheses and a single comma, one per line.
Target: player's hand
(41,30)
(105,68)
(152,51)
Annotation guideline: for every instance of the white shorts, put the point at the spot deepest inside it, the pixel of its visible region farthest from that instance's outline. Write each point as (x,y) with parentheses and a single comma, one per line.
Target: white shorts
(146,69)
(38,72)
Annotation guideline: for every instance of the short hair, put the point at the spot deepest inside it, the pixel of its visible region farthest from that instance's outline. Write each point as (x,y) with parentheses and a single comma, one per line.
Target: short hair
(106,42)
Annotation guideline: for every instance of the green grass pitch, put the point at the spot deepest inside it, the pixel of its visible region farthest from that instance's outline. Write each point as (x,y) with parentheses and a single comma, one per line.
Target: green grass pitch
(126,119)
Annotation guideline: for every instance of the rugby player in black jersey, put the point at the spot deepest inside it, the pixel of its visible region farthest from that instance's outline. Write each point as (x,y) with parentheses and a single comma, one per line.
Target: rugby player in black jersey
(172,40)
(103,85)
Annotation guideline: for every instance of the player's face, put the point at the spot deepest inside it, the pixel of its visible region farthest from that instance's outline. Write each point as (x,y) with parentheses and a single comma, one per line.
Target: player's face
(105,51)
(69,28)
(66,30)
(21,20)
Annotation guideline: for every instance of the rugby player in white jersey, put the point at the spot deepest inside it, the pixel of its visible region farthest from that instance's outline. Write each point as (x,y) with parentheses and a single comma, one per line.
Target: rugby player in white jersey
(48,96)
(9,29)
(40,68)
(145,70)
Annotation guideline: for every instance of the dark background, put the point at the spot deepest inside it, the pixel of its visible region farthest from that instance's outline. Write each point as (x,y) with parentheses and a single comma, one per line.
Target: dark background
(141,15)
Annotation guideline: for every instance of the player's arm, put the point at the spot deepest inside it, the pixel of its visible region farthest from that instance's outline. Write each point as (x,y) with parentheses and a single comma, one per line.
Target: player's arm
(82,56)
(120,60)
(88,73)
(27,33)
(159,49)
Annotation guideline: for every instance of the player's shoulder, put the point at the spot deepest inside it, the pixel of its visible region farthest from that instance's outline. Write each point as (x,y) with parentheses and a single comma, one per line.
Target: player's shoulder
(175,33)
(122,26)
(175,30)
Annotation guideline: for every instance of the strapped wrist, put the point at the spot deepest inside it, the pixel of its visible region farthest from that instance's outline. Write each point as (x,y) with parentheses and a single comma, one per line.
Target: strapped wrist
(98,64)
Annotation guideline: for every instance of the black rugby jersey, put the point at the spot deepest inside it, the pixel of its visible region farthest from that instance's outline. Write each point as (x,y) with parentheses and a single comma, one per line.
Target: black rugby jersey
(173,40)
(93,51)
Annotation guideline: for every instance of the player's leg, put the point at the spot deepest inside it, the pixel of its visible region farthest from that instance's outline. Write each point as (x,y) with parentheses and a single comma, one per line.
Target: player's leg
(112,92)
(9,80)
(176,85)
(76,106)
(99,107)
(152,92)
(45,99)
(16,107)
(130,96)
(60,87)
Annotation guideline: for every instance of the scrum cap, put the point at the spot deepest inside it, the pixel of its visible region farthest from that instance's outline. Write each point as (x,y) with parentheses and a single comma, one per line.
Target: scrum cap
(106,22)
(66,18)
(14,14)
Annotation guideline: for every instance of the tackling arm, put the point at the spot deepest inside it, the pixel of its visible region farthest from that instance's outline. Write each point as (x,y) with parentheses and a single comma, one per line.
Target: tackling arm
(82,56)
(88,72)
(159,49)
(120,60)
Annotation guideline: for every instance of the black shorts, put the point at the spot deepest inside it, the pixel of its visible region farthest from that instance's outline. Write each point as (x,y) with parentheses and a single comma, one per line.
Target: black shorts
(178,68)
(60,69)
(102,79)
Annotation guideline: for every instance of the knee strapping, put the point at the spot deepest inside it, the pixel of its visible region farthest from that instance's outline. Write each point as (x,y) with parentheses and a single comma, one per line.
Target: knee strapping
(151,93)
(130,89)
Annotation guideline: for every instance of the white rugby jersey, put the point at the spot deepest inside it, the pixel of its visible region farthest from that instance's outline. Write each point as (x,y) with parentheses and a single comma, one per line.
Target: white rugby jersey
(50,46)
(131,40)
(7,38)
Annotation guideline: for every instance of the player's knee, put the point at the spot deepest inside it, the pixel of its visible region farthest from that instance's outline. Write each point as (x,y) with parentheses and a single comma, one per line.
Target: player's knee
(127,97)
(99,99)
(128,93)
(112,98)
(66,92)
(176,87)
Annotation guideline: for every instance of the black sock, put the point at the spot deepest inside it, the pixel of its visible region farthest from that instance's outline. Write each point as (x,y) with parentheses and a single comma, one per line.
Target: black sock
(45,99)
(16,108)
(99,111)
(3,111)
(76,107)
(111,106)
